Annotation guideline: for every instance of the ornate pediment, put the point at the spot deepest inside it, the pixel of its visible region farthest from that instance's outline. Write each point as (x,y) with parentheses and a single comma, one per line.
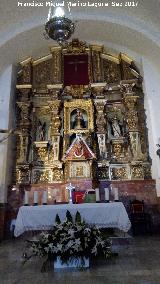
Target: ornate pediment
(76,46)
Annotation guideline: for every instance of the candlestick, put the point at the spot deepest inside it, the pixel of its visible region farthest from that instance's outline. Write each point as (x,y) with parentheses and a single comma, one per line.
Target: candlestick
(35,197)
(97,194)
(45,197)
(116,197)
(26,197)
(106,191)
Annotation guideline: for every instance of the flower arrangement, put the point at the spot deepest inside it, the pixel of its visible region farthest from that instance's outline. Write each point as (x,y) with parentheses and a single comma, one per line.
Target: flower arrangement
(71,239)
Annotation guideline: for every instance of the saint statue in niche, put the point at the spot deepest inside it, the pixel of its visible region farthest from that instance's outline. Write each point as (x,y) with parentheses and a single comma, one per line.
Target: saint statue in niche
(102,147)
(41,131)
(115,127)
(79,121)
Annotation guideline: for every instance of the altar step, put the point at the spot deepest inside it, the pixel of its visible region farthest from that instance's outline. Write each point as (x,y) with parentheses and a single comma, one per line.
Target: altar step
(119,240)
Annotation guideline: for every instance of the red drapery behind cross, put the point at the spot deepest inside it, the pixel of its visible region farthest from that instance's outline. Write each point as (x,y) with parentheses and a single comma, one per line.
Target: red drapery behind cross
(76,70)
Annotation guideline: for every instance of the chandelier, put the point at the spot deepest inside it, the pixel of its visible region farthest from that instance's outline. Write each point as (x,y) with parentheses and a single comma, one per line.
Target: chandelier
(58,27)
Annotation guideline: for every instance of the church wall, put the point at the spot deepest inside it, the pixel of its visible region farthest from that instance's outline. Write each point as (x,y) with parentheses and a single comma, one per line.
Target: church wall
(6,93)
(152,106)
(141,190)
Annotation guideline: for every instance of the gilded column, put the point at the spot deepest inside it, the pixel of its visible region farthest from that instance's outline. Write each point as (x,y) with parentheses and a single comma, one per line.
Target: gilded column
(55,129)
(23,131)
(57,63)
(97,73)
(54,154)
(130,102)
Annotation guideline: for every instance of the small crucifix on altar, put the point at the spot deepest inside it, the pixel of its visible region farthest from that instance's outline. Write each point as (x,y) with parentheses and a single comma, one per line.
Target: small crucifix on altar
(70,189)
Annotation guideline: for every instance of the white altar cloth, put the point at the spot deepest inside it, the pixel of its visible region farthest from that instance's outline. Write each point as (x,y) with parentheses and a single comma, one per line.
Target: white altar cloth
(104,215)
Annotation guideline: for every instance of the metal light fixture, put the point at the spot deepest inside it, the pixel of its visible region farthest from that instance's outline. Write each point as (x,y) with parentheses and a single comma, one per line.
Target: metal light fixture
(58,27)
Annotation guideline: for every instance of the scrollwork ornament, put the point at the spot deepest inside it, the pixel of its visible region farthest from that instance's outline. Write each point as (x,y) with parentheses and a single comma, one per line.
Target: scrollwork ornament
(57,175)
(120,173)
(137,172)
(41,176)
(76,46)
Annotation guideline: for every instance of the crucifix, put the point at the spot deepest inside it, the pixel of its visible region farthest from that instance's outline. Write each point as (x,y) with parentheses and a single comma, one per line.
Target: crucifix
(70,188)
(76,62)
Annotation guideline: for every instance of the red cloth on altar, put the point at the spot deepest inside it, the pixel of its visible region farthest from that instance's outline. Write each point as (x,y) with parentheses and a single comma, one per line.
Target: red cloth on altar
(78,196)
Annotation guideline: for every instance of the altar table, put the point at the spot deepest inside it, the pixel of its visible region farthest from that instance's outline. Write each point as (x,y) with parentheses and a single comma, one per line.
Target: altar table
(104,215)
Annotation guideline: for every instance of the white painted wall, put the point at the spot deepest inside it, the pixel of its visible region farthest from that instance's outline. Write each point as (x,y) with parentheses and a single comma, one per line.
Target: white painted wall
(152,106)
(6,91)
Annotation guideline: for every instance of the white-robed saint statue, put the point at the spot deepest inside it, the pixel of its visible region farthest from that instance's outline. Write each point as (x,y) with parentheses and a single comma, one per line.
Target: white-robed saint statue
(41,131)
(116,128)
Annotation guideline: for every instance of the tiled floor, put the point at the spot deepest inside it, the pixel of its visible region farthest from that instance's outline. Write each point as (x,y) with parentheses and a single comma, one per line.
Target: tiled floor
(137,263)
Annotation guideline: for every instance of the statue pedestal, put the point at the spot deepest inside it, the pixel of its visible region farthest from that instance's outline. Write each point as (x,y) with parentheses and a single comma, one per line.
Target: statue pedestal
(118,148)
(41,144)
(41,152)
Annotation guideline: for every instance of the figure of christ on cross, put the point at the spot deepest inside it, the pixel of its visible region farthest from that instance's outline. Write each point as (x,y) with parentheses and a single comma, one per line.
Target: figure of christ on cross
(76,62)
(76,70)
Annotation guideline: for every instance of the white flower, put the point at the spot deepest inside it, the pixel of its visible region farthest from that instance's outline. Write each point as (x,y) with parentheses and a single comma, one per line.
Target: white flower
(94,250)
(46,249)
(59,247)
(77,242)
(88,230)
(62,240)
(71,232)
(70,244)
(50,246)
(77,245)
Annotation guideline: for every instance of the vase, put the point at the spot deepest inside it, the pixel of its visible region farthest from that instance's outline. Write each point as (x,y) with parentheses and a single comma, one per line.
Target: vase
(78,262)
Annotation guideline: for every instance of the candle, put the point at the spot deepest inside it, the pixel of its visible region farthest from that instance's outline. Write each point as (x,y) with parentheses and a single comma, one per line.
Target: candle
(106,191)
(116,198)
(97,194)
(26,197)
(45,197)
(35,197)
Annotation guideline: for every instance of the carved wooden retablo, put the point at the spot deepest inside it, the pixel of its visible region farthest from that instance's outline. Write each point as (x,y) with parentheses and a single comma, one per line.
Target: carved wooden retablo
(80,115)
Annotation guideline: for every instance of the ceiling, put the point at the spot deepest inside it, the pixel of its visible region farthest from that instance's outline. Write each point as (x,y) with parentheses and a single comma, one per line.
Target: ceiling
(127,29)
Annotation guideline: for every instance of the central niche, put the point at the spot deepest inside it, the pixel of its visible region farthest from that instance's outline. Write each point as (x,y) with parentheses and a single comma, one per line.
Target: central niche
(78,119)
(78,116)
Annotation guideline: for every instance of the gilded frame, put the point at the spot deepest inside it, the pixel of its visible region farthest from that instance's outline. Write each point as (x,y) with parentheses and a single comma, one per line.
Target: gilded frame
(72,105)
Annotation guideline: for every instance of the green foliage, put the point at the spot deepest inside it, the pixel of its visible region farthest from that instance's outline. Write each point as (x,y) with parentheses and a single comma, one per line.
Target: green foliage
(78,217)
(57,219)
(69,217)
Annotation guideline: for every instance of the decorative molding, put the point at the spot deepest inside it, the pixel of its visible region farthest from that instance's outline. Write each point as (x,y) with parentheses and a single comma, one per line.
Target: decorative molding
(42,59)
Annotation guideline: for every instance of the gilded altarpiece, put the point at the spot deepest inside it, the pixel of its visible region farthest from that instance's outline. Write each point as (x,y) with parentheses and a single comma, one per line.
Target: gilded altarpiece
(92,131)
